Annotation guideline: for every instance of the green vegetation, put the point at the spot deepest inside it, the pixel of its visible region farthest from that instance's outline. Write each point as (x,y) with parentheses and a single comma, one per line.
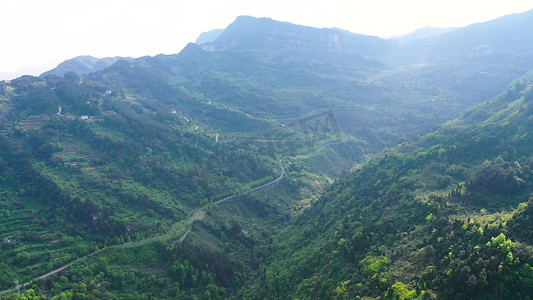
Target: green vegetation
(140,180)
(445,217)
(95,172)
(73,185)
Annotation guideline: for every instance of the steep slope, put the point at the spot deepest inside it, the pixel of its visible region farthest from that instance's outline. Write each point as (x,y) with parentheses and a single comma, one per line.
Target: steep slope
(86,163)
(125,173)
(443,217)
(271,37)
(118,171)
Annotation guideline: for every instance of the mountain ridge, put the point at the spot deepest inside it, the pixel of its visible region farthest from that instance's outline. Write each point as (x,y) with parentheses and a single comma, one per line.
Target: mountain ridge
(398,180)
(84,65)
(423,33)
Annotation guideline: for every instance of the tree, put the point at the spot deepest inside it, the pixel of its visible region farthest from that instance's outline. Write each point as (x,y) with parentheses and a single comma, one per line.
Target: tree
(501,242)
(398,291)
(23,258)
(207,295)
(30,295)
(471,282)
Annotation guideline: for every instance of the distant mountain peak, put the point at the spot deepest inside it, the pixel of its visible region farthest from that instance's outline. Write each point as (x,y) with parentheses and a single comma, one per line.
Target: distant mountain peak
(248,33)
(208,36)
(83,65)
(423,33)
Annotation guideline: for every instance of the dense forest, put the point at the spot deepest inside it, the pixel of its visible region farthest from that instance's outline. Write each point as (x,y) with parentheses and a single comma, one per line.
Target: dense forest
(268,164)
(445,217)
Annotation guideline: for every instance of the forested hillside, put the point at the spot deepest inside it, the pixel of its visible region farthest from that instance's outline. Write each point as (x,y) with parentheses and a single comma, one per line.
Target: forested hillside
(445,217)
(274,161)
(123,162)
(87,165)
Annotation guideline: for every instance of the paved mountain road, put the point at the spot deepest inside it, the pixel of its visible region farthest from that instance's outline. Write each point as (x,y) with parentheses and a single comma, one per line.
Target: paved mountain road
(220,201)
(189,223)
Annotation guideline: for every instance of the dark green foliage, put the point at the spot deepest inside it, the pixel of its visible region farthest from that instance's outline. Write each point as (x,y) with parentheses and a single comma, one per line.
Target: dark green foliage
(40,100)
(73,184)
(501,179)
(406,225)
(100,172)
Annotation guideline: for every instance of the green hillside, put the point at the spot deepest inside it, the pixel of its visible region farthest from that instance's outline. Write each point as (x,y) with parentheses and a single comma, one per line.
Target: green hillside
(86,165)
(274,161)
(445,217)
(122,174)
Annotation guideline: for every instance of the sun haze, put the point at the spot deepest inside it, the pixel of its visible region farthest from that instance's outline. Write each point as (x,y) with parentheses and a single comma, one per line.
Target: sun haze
(46,32)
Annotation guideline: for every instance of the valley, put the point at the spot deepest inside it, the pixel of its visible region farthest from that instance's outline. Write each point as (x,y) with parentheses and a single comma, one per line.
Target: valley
(275,161)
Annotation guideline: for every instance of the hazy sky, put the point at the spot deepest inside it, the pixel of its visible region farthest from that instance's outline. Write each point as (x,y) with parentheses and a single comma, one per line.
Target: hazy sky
(46,32)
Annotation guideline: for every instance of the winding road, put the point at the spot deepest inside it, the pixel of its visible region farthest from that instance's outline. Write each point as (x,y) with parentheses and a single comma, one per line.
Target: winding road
(195,215)
(188,223)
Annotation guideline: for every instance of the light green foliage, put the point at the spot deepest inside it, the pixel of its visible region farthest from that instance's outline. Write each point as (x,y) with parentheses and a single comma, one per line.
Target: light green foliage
(399,291)
(29,295)
(501,242)
(371,265)
(430,202)
(430,218)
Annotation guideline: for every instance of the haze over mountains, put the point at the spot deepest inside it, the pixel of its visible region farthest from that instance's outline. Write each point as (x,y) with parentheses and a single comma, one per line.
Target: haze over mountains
(275,161)
(424,33)
(83,65)
(477,49)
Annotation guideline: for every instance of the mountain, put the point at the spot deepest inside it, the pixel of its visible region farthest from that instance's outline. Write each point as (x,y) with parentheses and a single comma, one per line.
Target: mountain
(281,71)
(88,164)
(276,161)
(423,33)
(355,73)
(100,166)
(269,37)
(83,65)
(446,217)
(506,36)
(475,62)
(208,36)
